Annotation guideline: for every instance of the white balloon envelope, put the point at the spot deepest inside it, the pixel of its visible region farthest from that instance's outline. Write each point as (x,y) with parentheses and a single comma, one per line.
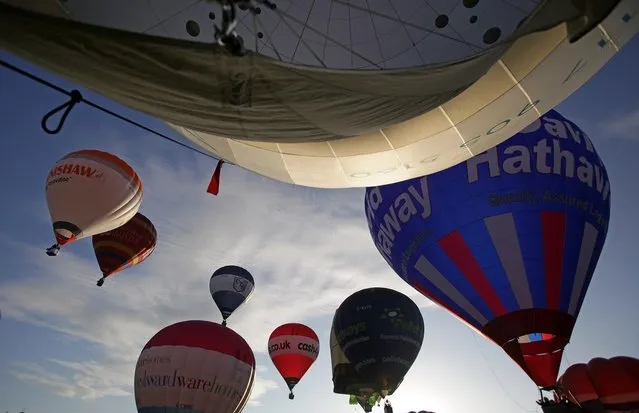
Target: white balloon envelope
(90,192)
(194,367)
(331,94)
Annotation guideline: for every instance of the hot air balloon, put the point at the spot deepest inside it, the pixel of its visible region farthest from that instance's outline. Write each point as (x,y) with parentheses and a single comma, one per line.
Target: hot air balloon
(380,332)
(194,366)
(90,192)
(230,287)
(462,78)
(603,385)
(125,246)
(293,348)
(507,241)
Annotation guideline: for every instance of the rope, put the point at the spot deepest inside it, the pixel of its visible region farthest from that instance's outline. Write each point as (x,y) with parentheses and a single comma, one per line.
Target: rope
(503,388)
(76,97)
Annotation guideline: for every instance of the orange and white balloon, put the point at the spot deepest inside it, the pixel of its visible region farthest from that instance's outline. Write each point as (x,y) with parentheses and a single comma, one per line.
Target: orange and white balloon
(89,192)
(194,366)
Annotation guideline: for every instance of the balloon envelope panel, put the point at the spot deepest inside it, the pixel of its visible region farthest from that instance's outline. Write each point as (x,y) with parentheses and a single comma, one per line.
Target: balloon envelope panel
(380,331)
(508,240)
(345,377)
(89,192)
(125,246)
(194,367)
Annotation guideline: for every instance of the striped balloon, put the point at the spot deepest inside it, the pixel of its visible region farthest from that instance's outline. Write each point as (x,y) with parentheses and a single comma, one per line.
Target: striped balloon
(89,192)
(293,348)
(508,241)
(125,246)
(194,367)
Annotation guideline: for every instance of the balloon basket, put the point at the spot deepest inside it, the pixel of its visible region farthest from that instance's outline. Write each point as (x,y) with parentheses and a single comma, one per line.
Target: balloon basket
(100,282)
(561,408)
(53,250)
(291,396)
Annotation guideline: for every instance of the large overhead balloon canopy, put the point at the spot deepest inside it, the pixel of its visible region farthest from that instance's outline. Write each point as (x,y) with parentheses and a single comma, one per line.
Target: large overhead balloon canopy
(339,94)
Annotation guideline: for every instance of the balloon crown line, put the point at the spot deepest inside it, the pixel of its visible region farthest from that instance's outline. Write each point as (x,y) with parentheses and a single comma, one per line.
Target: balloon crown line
(76,97)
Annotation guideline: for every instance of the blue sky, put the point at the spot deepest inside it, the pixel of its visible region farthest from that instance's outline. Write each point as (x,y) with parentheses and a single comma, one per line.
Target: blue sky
(66,345)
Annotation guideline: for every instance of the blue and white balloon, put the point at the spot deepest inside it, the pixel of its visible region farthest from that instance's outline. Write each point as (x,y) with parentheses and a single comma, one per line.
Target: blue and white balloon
(230,287)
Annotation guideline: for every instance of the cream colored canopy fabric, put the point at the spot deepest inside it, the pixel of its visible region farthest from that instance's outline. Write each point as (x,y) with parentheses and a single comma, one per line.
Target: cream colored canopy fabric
(345,124)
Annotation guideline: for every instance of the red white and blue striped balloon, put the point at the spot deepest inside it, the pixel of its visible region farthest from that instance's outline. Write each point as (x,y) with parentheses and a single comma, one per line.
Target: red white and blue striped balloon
(508,241)
(194,367)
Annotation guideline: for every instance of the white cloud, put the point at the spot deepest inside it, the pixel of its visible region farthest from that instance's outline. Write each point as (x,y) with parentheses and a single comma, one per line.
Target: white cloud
(625,126)
(83,386)
(307,249)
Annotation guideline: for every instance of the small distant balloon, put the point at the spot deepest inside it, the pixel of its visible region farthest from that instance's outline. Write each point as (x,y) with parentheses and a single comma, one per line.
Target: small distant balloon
(125,246)
(230,287)
(90,192)
(293,348)
(194,366)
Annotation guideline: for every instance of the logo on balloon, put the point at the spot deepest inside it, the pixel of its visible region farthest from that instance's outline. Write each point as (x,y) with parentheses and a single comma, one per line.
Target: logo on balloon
(311,348)
(551,165)
(240,284)
(176,379)
(392,313)
(285,345)
(352,330)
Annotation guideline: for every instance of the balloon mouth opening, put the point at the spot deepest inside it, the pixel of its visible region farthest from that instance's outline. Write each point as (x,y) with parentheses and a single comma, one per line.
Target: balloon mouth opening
(65,232)
(535,337)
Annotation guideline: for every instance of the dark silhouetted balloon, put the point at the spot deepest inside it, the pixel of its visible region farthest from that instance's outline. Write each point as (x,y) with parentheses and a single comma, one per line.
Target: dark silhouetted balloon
(508,241)
(380,332)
